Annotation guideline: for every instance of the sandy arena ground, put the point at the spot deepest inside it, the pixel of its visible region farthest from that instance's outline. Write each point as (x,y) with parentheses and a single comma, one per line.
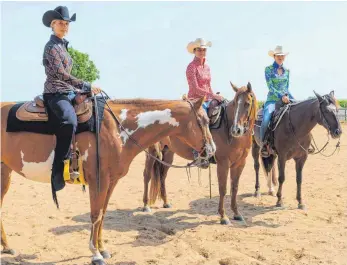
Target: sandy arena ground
(190,232)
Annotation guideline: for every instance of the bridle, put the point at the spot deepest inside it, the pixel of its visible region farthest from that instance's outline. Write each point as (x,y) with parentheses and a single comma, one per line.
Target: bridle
(247,122)
(325,125)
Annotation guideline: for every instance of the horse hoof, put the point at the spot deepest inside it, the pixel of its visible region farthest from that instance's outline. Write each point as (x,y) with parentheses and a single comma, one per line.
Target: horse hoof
(167,205)
(280,205)
(302,207)
(238,218)
(146,209)
(271,193)
(225,221)
(8,251)
(257,194)
(105,254)
(99,262)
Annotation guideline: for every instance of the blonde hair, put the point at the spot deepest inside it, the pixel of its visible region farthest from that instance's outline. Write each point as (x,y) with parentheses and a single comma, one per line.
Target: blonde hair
(52,23)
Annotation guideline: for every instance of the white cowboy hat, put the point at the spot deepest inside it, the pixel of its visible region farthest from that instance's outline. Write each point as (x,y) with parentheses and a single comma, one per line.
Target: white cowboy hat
(198,43)
(277,51)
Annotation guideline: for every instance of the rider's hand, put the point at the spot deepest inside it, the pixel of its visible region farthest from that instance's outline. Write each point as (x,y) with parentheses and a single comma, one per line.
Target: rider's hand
(218,97)
(96,89)
(285,99)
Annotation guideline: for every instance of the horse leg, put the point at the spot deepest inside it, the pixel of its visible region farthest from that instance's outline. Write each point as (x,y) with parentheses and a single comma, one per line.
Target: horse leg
(281,178)
(97,202)
(299,164)
(235,174)
(222,172)
(168,157)
(148,171)
(269,181)
(104,253)
(5,185)
(255,154)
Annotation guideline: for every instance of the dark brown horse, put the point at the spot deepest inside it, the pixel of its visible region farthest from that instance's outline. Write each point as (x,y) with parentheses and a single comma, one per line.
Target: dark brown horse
(292,138)
(233,140)
(144,122)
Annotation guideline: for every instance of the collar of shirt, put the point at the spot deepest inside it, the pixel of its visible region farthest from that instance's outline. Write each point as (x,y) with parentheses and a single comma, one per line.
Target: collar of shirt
(199,61)
(276,66)
(59,40)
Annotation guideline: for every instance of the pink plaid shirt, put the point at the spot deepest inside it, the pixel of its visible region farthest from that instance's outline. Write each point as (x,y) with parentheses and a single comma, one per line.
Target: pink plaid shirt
(199,80)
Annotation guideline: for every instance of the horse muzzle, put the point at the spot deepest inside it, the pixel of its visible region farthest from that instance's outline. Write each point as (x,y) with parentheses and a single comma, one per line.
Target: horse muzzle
(336,134)
(238,131)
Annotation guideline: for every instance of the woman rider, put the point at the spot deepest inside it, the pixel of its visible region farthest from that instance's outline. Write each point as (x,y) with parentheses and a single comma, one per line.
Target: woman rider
(61,88)
(199,76)
(277,80)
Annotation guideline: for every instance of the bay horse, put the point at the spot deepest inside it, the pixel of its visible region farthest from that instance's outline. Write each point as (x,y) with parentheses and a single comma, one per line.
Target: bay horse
(292,138)
(233,141)
(144,122)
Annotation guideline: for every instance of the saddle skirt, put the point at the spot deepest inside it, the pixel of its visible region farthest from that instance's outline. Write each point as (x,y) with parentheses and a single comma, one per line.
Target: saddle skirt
(217,114)
(35,110)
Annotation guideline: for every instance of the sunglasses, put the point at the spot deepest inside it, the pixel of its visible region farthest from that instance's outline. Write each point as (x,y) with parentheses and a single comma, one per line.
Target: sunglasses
(200,50)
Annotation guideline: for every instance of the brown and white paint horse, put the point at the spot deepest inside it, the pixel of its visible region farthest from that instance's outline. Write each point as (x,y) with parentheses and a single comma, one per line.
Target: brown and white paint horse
(233,140)
(145,121)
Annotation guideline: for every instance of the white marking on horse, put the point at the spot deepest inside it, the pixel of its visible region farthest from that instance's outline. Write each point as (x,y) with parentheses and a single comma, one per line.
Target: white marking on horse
(147,118)
(123,115)
(92,248)
(237,111)
(85,155)
(38,171)
(331,107)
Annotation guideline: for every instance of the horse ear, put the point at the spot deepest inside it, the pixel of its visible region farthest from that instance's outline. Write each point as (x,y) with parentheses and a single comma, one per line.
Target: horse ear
(199,102)
(318,96)
(249,87)
(234,87)
(332,93)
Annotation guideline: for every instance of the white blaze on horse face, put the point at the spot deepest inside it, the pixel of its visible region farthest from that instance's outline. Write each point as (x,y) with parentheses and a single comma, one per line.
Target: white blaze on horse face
(237,111)
(40,171)
(147,118)
(123,115)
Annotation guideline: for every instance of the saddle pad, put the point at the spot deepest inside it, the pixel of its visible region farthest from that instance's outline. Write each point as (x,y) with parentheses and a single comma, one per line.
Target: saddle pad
(14,124)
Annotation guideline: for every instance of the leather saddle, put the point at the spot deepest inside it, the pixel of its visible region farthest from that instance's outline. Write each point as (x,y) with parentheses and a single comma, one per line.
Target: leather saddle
(216,115)
(276,117)
(35,110)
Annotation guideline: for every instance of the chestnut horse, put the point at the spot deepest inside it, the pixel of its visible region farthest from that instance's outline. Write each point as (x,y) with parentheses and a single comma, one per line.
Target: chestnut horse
(143,122)
(233,140)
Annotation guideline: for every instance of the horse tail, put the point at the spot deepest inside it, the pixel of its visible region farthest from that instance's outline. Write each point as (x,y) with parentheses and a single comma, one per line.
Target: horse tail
(54,195)
(156,178)
(268,164)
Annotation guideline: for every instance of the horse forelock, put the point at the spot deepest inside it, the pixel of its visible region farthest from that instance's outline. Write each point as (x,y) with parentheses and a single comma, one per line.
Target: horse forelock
(253,101)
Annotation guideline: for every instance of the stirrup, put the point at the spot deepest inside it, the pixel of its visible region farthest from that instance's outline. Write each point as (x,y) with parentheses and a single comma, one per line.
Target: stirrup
(74,175)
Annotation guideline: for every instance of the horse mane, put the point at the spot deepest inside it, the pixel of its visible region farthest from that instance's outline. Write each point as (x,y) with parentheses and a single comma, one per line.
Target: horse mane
(145,103)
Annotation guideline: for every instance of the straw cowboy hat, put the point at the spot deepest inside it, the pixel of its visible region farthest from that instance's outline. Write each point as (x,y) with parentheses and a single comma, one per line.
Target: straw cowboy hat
(60,12)
(277,51)
(198,43)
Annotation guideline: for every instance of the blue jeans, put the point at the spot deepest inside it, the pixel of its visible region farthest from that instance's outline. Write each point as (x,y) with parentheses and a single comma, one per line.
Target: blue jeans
(269,107)
(205,105)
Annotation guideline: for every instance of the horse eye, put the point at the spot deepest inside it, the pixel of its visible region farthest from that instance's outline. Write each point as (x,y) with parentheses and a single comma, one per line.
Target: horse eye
(247,104)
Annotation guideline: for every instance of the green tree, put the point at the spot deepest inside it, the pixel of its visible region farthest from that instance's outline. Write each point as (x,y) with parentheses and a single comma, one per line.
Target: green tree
(83,68)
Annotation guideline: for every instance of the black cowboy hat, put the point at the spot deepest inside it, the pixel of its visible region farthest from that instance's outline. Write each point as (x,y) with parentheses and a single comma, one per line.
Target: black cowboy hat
(60,13)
